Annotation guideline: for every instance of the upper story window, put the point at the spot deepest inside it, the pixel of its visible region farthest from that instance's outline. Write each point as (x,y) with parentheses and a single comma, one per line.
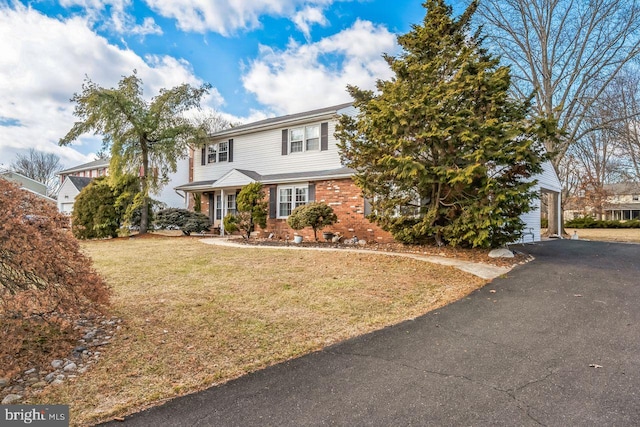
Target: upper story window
(220,152)
(211,154)
(305,138)
(223,151)
(636,197)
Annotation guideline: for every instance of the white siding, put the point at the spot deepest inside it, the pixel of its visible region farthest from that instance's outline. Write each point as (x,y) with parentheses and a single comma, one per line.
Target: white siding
(532,222)
(262,152)
(548,179)
(67,196)
(167,194)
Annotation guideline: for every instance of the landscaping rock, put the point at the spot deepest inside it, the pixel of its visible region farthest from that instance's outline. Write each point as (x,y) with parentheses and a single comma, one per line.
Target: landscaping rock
(39,385)
(30,371)
(501,253)
(50,377)
(57,382)
(57,364)
(11,398)
(4,382)
(70,367)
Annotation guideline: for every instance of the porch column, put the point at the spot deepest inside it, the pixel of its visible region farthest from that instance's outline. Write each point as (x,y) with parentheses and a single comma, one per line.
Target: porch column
(223,210)
(560,224)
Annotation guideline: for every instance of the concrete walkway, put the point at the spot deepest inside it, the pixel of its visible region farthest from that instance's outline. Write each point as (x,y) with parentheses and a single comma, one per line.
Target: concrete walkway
(485,271)
(556,342)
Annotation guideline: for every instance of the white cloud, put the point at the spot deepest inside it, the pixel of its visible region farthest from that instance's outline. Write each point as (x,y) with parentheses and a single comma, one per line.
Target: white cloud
(118,19)
(315,75)
(307,17)
(228,16)
(44,61)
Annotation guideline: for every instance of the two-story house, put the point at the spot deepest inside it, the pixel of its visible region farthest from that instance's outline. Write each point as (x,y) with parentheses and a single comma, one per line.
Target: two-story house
(74,179)
(622,201)
(297,160)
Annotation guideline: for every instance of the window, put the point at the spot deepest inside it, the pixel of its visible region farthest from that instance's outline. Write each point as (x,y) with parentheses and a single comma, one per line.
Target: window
(297,135)
(290,198)
(636,198)
(218,206)
(231,204)
(312,138)
(223,151)
(304,139)
(211,154)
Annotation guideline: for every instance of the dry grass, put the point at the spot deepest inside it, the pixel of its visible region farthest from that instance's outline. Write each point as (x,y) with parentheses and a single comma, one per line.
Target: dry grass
(630,235)
(196,315)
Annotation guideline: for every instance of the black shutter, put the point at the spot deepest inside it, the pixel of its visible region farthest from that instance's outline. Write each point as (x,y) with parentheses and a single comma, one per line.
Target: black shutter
(312,193)
(324,136)
(203,156)
(273,202)
(231,150)
(285,142)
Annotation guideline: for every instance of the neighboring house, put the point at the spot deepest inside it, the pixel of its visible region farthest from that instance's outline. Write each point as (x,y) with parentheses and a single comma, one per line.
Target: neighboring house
(83,174)
(69,190)
(620,201)
(623,201)
(297,160)
(27,184)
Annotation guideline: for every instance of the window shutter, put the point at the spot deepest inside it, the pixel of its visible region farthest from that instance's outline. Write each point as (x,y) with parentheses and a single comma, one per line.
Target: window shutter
(312,192)
(324,136)
(273,202)
(230,155)
(285,142)
(367,207)
(203,156)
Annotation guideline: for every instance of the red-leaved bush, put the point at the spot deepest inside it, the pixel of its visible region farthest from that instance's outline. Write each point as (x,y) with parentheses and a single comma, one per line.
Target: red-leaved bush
(46,283)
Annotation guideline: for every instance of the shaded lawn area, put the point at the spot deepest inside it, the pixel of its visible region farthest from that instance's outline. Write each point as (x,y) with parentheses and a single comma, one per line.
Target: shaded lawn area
(196,315)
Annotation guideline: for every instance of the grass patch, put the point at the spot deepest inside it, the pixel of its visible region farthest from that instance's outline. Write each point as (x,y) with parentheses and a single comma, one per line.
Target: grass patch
(628,235)
(196,315)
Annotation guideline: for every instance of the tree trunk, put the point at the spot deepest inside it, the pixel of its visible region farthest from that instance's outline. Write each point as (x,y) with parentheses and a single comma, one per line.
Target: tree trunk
(144,183)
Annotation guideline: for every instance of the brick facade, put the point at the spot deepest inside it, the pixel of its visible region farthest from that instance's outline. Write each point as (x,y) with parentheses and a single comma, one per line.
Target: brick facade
(347,202)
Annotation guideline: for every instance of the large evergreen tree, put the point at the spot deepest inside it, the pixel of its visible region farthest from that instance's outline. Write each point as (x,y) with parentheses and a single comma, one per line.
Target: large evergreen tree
(441,150)
(144,137)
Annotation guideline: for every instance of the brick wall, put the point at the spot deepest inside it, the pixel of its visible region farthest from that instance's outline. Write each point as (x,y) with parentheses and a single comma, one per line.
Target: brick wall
(348,204)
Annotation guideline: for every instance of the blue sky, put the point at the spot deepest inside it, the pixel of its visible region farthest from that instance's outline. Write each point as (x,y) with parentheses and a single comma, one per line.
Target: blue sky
(262,57)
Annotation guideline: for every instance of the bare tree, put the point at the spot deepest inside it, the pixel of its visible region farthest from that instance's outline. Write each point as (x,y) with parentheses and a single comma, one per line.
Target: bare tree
(39,166)
(565,53)
(624,96)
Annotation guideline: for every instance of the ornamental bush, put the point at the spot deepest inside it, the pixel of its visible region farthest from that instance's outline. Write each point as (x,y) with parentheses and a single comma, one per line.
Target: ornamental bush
(316,215)
(182,219)
(46,283)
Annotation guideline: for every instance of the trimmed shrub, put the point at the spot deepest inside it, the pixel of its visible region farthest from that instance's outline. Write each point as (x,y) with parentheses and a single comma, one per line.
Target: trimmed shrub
(316,215)
(589,222)
(182,219)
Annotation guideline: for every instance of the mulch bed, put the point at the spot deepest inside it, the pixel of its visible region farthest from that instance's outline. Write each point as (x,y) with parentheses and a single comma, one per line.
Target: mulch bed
(473,255)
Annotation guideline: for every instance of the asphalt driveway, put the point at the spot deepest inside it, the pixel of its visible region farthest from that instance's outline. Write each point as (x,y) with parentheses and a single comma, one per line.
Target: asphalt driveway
(556,342)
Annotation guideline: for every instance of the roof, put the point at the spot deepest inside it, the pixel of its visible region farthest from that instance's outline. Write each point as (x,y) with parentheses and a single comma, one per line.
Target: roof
(24,180)
(621,188)
(622,207)
(79,181)
(279,178)
(87,166)
(275,121)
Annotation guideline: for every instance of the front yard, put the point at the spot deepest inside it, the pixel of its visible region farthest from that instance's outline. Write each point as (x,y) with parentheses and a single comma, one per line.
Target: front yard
(195,315)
